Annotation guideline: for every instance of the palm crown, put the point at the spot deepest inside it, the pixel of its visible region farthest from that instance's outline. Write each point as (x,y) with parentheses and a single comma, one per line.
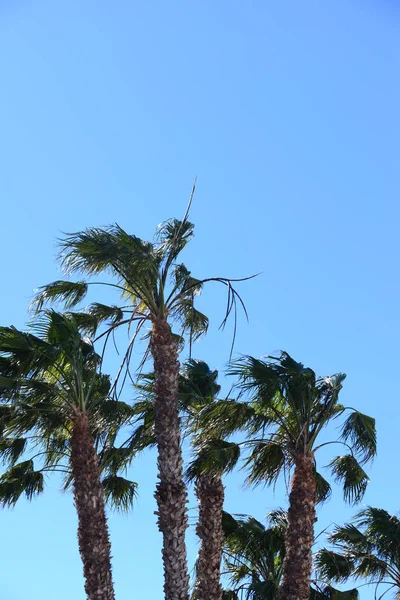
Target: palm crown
(253,556)
(368,548)
(150,279)
(288,409)
(47,376)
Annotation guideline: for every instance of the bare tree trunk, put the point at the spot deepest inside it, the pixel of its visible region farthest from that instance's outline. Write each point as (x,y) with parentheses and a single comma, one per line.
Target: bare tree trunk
(210,493)
(300,532)
(93,537)
(171,493)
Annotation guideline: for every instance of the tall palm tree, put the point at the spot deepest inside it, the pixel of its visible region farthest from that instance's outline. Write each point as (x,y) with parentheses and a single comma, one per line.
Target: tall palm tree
(55,400)
(367,548)
(212,458)
(288,410)
(158,290)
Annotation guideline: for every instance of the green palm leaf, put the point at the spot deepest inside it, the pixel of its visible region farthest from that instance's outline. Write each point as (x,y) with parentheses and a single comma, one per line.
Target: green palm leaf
(354,479)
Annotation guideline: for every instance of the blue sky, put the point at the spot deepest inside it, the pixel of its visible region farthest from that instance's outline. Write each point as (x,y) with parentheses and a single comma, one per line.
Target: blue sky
(288,113)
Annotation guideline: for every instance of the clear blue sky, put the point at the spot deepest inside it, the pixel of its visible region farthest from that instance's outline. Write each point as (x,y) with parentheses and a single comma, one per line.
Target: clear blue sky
(288,113)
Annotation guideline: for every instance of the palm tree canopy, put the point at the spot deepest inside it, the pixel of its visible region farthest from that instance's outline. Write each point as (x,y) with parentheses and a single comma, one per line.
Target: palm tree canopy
(368,548)
(46,376)
(253,560)
(284,406)
(253,556)
(152,282)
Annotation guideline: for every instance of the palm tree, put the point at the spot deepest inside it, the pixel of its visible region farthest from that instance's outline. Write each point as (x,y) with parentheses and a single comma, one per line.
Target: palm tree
(159,290)
(198,388)
(367,548)
(212,458)
(55,400)
(289,408)
(254,559)
(253,556)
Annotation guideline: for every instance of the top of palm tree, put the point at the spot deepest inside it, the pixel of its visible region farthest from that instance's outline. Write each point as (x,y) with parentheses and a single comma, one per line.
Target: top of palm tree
(283,406)
(152,282)
(253,555)
(47,376)
(367,548)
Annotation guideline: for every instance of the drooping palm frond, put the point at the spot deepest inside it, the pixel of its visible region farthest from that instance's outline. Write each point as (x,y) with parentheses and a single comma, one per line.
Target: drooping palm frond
(359,430)
(11,449)
(119,492)
(213,457)
(266,462)
(225,417)
(69,293)
(334,566)
(348,471)
(323,488)
(20,479)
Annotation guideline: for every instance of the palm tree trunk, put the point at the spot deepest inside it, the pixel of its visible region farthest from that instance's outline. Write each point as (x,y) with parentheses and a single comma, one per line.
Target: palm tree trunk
(171,493)
(93,537)
(210,493)
(300,532)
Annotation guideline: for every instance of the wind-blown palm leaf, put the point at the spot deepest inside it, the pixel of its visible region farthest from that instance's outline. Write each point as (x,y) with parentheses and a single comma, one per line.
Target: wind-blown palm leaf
(214,457)
(324,490)
(19,480)
(11,449)
(359,430)
(67,292)
(120,493)
(349,472)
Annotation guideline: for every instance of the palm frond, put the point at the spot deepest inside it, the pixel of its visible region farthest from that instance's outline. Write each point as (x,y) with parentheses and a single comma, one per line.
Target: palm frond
(333,566)
(119,492)
(224,417)
(214,457)
(70,293)
(359,430)
(105,314)
(11,449)
(21,479)
(323,488)
(349,536)
(113,459)
(266,463)
(354,479)
(382,530)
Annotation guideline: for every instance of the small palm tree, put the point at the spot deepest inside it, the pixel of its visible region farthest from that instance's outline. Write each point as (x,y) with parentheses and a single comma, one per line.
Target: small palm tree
(368,548)
(289,408)
(253,556)
(55,401)
(159,290)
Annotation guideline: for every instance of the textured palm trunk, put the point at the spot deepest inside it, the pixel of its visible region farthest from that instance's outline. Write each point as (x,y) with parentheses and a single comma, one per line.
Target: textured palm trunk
(93,537)
(171,493)
(300,533)
(210,494)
